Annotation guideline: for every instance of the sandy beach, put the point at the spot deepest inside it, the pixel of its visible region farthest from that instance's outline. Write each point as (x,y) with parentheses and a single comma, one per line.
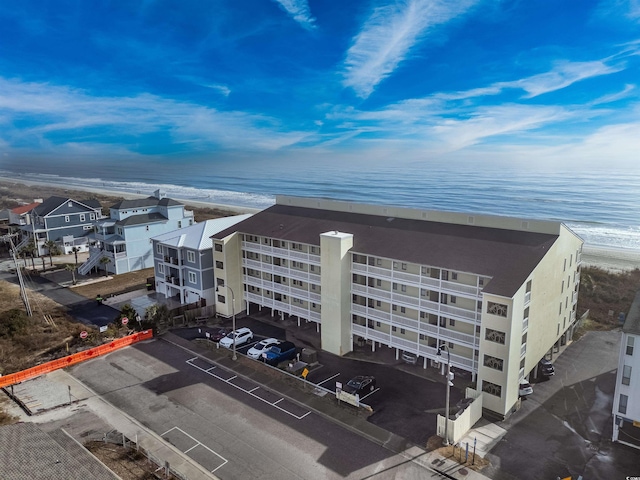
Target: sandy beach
(608,258)
(121,194)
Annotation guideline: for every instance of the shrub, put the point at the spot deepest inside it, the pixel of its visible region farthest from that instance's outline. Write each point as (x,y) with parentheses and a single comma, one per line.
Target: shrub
(13,322)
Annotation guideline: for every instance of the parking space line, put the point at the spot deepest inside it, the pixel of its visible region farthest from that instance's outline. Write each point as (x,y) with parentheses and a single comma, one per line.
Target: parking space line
(198,443)
(209,369)
(369,394)
(330,378)
(249,392)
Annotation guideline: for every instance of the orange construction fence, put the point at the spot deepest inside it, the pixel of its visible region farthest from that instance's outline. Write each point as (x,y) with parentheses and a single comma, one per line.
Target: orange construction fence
(69,360)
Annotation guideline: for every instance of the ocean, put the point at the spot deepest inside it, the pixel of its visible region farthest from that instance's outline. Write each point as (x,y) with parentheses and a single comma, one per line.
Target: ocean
(601,206)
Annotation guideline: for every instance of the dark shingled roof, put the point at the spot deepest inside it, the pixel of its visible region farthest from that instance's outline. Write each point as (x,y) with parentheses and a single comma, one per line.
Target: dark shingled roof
(145,202)
(51,203)
(508,256)
(28,453)
(632,323)
(142,218)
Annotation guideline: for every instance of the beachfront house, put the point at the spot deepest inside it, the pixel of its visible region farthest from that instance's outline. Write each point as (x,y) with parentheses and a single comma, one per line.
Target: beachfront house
(65,221)
(122,243)
(183,261)
(496,293)
(626,400)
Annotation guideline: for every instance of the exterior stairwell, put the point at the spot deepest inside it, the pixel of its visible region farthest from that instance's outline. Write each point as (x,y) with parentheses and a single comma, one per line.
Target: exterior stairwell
(95,254)
(25,241)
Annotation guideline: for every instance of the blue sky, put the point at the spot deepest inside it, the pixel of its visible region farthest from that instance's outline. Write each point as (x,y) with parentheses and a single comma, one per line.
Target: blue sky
(321,80)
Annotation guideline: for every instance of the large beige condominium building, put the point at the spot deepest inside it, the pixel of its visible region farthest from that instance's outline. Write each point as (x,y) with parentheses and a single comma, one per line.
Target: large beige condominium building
(499,292)
(626,400)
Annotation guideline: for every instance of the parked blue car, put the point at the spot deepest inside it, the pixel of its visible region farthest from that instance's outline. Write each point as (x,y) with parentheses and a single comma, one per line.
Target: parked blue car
(279,353)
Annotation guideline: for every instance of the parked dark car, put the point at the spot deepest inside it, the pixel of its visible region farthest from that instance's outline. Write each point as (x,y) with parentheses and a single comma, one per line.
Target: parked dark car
(279,353)
(218,334)
(546,368)
(360,384)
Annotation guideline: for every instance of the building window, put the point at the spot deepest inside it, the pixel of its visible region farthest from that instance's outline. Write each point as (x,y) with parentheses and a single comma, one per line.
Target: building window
(394,329)
(481,282)
(622,405)
(82,217)
(378,303)
(394,308)
(395,265)
(452,299)
(495,336)
(403,310)
(219,264)
(158,248)
(404,266)
(491,388)
(220,282)
(452,322)
(395,286)
(423,292)
(191,256)
(378,262)
(218,247)
(626,375)
(378,324)
(423,337)
(454,276)
(445,275)
(498,309)
(92,216)
(403,288)
(630,341)
(493,362)
(192,277)
(221,299)
(66,218)
(161,268)
(402,331)
(378,282)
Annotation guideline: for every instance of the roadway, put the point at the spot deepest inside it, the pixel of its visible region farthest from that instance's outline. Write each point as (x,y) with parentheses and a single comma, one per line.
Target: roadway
(231,425)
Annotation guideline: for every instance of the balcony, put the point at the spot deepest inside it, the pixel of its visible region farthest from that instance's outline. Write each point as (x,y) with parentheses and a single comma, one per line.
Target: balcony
(527,298)
(415,280)
(523,350)
(281,252)
(574,298)
(525,324)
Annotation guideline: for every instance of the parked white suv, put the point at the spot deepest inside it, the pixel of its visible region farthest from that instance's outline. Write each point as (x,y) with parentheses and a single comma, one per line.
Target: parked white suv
(240,336)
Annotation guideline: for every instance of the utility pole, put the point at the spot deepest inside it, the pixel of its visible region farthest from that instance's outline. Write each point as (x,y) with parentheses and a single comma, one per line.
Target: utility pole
(23,290)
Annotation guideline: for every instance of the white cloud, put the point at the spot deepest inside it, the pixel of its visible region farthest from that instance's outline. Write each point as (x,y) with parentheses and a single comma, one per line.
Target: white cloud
(299,10)
(78,117)
(389,34)
(614,97)
(561,76)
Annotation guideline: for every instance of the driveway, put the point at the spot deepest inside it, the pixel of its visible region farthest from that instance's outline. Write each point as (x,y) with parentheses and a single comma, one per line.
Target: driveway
(564,428)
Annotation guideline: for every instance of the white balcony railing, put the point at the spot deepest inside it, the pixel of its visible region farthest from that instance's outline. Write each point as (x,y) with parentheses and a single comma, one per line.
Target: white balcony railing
(525,324)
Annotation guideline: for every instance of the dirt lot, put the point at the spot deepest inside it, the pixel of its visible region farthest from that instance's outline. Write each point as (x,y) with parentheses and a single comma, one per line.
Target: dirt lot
(115,284)
(126,464)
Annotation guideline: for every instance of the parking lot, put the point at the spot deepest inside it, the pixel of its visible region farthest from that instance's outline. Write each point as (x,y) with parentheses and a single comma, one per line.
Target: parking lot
(406,400)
